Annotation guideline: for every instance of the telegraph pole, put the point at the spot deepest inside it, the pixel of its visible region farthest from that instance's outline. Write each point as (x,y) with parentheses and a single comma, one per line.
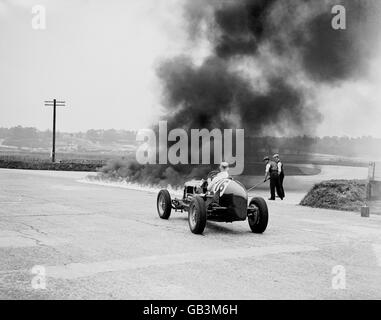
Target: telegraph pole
(54,103)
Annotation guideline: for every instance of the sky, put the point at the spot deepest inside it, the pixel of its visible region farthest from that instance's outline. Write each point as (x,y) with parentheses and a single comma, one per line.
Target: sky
(101,57)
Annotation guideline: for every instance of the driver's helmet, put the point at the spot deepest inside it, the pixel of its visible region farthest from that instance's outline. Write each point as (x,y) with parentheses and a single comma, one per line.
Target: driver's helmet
(224,166)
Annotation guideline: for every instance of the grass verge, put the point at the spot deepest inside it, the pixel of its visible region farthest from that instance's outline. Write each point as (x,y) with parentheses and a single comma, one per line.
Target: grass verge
(47,165)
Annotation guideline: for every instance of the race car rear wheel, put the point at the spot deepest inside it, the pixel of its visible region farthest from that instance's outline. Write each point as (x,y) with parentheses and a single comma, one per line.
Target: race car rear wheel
(197,215)
(164,204)
(258,223)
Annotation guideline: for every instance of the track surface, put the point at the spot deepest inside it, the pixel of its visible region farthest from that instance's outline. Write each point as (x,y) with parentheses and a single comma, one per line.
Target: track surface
(98,242)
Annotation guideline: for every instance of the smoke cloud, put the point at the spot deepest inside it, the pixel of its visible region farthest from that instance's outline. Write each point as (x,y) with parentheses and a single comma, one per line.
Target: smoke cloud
(267,55)
(266,59)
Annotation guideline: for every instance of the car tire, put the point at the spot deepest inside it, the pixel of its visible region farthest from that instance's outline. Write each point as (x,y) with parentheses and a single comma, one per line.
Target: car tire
(197,215)
(164,204)
(260,225)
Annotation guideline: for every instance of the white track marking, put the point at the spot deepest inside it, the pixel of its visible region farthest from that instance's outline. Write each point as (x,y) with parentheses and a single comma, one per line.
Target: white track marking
(131,186)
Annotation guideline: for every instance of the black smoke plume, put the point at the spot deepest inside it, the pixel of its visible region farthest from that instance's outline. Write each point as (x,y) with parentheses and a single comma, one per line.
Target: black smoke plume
(266,59)
(290,43)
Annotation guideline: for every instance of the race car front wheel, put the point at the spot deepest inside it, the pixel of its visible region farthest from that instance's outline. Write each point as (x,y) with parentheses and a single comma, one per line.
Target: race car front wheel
(197,215)
(164,204)
(258,222)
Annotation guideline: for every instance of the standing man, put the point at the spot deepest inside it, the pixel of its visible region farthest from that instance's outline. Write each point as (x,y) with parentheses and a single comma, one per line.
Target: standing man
(273,171)
(281,175)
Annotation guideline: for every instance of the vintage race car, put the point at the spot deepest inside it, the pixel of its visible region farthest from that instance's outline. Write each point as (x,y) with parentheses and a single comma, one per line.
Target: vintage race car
(227,201)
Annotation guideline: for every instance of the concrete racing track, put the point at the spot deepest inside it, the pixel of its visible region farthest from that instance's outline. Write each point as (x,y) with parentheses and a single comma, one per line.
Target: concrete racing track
(100,242)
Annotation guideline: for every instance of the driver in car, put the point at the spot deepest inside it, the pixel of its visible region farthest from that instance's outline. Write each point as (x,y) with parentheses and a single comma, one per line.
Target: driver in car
(223,174)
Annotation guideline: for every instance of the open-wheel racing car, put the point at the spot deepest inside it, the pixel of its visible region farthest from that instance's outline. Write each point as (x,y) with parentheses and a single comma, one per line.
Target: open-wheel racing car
(227,201)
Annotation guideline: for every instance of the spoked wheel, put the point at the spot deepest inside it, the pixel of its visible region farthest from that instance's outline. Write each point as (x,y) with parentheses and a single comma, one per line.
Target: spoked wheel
(258,222)
(164,204)
(197,215)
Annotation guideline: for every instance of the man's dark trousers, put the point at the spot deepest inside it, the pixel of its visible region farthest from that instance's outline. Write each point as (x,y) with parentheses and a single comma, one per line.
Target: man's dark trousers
(281,178)
(275,184)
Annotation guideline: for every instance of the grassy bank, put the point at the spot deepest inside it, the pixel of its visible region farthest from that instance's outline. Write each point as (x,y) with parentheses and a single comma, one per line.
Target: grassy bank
(346,195)
(90,166)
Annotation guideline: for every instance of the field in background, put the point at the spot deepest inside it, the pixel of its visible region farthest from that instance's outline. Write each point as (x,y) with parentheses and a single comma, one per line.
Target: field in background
(29,148)
(295,164)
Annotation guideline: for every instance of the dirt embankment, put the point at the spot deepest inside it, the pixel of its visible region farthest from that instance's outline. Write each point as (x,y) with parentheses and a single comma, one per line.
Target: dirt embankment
(347,195)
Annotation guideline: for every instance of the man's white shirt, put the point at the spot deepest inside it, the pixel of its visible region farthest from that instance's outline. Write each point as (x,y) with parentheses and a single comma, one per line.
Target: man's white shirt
(279,164)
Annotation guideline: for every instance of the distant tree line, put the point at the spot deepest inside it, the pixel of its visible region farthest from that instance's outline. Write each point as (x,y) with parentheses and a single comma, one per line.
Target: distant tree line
(341,146)
(110,135)
(31,137)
